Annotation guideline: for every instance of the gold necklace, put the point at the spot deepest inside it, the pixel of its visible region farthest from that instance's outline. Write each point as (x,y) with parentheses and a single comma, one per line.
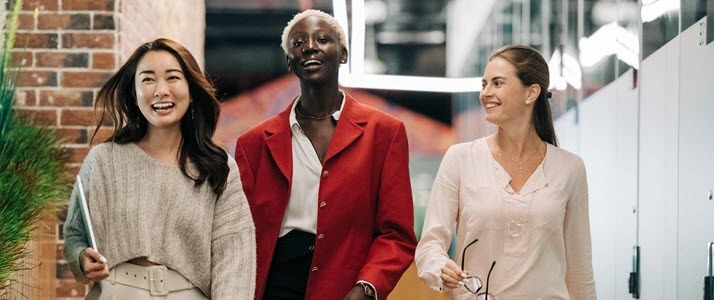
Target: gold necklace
(297,111)
(520,165)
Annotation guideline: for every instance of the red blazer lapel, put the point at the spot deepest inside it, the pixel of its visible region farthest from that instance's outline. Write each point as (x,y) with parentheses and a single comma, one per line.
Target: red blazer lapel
(279,142)
(349,127)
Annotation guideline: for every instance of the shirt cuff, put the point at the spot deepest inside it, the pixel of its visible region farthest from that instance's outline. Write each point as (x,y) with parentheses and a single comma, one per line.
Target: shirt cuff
(370,285)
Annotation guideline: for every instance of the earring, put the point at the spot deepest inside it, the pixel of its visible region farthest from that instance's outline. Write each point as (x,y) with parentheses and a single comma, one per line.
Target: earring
(191,111)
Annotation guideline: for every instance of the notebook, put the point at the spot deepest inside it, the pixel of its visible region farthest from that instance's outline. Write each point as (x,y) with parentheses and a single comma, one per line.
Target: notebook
(85,215)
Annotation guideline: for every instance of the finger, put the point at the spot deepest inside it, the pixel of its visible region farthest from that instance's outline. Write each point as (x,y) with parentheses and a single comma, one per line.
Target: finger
(451,273)
(94,276)
(451,286)
(95,255)
(454,268)
(94,267)
(449,279)
(101,274)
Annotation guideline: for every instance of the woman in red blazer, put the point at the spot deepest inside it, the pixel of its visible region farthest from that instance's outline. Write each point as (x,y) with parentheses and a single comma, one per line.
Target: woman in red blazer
(327,181)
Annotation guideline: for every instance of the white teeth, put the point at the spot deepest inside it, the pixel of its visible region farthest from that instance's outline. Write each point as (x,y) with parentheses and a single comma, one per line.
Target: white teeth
(162,105)
(311,61)
(491,105)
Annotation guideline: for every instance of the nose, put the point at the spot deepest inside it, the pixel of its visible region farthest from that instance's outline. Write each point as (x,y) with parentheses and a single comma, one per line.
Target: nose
(486,91)
(310,46)
(161,89)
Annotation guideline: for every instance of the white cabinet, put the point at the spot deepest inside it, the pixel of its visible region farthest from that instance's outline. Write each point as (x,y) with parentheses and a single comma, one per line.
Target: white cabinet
(695,226)
(658,119)
(608,128)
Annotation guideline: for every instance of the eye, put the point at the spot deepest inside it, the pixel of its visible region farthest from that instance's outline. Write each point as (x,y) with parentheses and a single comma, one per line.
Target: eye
(147,79)
(483,85)
(498,83)
(296,43)
(322,40)
(174,77)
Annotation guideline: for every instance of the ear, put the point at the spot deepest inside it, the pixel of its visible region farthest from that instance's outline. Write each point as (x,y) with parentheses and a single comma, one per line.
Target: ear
(533,92)
(287,60)
(344,56)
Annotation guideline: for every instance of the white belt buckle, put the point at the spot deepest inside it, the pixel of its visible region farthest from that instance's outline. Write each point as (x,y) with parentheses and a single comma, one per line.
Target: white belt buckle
(157,280)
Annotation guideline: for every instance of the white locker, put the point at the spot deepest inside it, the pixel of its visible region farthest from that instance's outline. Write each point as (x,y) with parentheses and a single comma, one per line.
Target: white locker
(696,161)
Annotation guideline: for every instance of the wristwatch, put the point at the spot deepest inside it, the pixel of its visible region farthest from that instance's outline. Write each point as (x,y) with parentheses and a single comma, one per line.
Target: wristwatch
(367,289)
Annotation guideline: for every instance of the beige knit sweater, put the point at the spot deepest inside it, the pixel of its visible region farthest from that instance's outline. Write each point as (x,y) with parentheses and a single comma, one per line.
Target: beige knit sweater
(140,207)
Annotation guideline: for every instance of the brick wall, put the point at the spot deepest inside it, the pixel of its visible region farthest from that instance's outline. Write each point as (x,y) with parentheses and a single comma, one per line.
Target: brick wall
(67,53)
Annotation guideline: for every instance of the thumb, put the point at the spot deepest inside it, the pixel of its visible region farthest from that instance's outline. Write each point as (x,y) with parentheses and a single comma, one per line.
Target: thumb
(95,255)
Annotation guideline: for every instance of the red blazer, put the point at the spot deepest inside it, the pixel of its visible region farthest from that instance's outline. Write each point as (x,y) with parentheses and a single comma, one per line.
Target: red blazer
(365,221)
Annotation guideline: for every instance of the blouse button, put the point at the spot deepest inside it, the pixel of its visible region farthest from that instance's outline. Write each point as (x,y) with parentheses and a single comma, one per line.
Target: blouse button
(320,236)
(322,204)
(325,173)
(314,268)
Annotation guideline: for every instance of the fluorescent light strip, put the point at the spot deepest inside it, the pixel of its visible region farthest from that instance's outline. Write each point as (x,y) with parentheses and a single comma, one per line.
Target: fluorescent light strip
(358,32)
(654,9)
(353,75)
(608,40)
(554,68)
(339,9)
(412,83)
(571,72)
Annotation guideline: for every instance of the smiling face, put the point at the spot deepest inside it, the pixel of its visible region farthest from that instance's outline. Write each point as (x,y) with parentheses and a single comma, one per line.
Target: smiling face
(162,92)
(504,96)
(314,52)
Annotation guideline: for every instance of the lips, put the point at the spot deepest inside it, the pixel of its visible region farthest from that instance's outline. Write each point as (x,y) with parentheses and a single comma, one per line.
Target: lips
(490,105)
(162,106)
(311,64)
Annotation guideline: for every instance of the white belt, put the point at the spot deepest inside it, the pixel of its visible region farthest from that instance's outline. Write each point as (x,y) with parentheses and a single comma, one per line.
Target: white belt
(158,280)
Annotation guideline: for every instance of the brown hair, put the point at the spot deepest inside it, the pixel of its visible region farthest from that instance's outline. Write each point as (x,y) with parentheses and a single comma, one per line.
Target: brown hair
(118,100)
(531,68)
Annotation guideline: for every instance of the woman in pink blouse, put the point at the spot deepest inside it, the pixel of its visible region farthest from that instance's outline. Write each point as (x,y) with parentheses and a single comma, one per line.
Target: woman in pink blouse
(518,203)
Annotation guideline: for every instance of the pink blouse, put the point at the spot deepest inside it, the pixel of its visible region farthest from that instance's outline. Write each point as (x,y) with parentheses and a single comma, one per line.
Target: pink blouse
(539,237)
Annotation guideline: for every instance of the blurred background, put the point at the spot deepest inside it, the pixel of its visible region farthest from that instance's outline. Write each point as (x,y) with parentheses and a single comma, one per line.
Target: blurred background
(632,85)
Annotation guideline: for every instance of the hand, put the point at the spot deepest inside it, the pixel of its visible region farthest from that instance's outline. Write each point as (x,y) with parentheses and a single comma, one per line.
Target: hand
(357,293)
(452,275)
(94,265)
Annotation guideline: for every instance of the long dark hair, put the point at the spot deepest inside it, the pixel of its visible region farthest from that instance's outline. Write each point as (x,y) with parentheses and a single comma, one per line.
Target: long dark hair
(531,68)
(118,101)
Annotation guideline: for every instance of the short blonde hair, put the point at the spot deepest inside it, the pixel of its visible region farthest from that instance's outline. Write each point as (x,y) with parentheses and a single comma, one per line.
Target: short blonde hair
(313,13)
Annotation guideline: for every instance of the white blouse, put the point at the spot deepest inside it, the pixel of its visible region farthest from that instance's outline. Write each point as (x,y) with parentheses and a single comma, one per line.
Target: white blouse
(301,213)
(539,237)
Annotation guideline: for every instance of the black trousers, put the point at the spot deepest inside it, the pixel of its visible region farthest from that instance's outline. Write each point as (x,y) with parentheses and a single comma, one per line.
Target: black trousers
(287,278)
